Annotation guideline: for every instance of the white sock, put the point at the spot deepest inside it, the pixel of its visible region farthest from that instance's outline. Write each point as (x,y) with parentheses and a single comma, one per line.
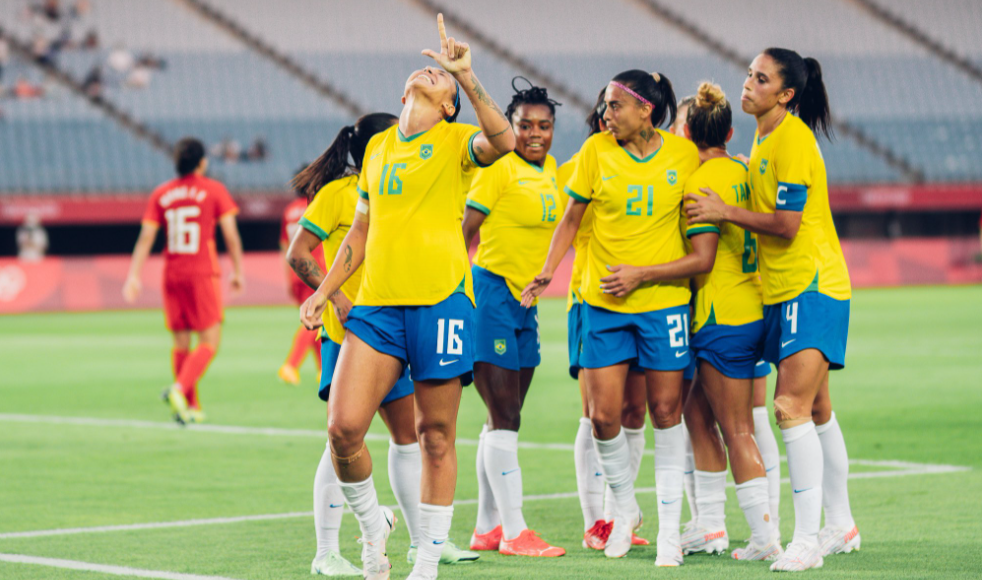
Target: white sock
(835,491)
(769,452)
(689,476)
(669,467)
(614,457)
(405,470)
(753,500)
(328,506)
(610,503)
(589,479)
(363,500)
(434,527)
(505,475)
(805,468)
(711,497)
(635,442)
(487,511)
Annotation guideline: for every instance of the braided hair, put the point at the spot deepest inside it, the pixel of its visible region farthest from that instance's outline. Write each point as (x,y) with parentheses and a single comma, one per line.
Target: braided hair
(531,96)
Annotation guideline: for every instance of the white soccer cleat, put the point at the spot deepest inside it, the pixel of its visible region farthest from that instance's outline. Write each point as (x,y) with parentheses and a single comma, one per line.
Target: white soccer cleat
(669,551)
(374,561)
(334,564)
(700,539)
(619,541)
(838,540)
(769,552)
(421,576)
(799,556)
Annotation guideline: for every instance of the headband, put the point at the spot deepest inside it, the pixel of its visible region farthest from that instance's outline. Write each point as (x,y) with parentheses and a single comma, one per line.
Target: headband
(456,97)
(632,93)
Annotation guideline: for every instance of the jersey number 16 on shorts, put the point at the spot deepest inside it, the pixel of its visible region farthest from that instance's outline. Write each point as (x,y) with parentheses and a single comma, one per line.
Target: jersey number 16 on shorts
(449,331)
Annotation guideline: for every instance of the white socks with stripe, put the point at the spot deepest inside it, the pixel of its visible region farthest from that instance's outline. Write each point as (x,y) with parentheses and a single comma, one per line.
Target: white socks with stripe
(363,500)
(405,470)
(589,478)
(505,475)
(753,500)
(767,444)
(328,506)
(711,499)
(614,457)
(805,466)
(835,491)
(434,527)
(487,511)
(669,468)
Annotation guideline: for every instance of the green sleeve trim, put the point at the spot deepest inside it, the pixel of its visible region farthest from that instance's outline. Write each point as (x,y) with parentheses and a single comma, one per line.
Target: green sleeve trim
(575,195)
(478,207)
(361,194)
(470,151)
(701,230)
(313,228)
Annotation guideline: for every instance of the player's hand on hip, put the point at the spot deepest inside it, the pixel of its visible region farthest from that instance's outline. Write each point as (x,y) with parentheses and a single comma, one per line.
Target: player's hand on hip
(622,280)
(454,56)
(312,309)
(535,288)
(131,289)
(705,209)
(341,306)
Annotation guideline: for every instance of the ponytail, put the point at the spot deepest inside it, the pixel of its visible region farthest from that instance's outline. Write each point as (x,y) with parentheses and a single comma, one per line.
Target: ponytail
(656,89)
(810,101)
(344,156)
(595,118)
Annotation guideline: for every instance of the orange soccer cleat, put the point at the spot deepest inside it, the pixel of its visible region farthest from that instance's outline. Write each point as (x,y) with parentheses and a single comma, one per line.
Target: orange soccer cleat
(528,543)
(486,542)
(596,537)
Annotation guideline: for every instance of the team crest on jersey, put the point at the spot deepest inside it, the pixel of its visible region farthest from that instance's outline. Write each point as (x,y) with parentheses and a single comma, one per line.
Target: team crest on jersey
(425,152)
(500,346)
(763,166)
(673,176)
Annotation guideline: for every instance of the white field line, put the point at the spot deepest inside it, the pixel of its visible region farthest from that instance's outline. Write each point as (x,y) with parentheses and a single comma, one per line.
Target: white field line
(103,568)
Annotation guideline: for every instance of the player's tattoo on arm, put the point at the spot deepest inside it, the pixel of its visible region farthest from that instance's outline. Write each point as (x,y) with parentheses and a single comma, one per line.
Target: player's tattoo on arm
(501,132)
(482,96)
(348,253)
(308,270)
(478,150)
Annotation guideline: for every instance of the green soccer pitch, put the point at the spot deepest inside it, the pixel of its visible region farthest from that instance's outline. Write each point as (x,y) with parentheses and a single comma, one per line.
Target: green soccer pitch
(96,482)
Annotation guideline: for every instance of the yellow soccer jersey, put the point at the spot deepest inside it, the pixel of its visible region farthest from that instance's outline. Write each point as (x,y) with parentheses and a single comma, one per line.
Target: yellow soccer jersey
(329,217)
(580,240)
(523,206)
(730,293)
(637,205)
(415,254)
(787,172)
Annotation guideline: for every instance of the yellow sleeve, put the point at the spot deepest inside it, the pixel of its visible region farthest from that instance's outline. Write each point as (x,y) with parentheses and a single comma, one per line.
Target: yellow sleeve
(467,134)
(323,214)
(363,185)
(692,185)
(794,168)
(580,184)
(487,187)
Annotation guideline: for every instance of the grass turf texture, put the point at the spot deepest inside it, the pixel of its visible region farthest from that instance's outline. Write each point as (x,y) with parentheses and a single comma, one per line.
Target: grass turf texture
(910,393)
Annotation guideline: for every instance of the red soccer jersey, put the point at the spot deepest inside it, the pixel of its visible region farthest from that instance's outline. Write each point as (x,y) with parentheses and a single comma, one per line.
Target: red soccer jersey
(188,208)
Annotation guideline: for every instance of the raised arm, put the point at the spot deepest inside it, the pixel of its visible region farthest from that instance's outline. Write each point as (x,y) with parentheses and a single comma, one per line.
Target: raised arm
(712,209)
(561,240)
(496,139)
(230,231)
(132,287)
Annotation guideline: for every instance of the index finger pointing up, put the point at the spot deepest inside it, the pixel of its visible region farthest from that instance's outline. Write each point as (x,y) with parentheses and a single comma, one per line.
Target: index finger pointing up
(443,29)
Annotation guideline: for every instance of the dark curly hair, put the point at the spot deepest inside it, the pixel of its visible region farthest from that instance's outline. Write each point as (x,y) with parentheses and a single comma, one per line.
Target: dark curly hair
(531,96)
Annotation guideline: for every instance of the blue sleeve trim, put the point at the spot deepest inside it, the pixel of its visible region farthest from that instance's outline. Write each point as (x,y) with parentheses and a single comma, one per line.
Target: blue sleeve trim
(791,196)
(575,195)
(473,204)
(470,151)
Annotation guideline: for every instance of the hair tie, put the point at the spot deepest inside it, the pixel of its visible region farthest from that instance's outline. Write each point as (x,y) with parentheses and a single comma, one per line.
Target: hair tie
(656,76)
(632,93)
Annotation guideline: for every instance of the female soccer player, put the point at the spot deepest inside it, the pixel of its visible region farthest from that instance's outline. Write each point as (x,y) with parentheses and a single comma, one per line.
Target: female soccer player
(596,499)
(633,175)
(331,181)
(727,339)
(806,290)
(188,208)
(416,303)
(516,204)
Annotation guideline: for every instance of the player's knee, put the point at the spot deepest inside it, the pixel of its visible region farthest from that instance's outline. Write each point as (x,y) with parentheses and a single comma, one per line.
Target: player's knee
(822,411)
(434,440)
(605,424)
(790,412)
(632,416)
(665,415)
(345,438)
(508,417)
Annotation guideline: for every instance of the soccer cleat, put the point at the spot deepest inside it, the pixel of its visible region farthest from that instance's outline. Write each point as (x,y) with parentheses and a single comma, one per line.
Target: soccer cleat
(596,537)
(178,403)
(375,563)
(421,576)
(701,539)
(619,542)
(528,543)
(669,552)
(451,554)
(289,374)
(197,416)
(637,540)
(486,542)
(769,552)
(799,556)
(334,564)
(838,540)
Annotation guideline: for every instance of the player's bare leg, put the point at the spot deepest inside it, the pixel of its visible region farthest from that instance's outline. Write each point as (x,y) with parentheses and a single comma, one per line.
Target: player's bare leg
(665,407)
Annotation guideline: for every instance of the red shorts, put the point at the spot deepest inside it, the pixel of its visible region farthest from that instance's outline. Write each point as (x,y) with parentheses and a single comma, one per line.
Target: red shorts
(300,291)
(193,303)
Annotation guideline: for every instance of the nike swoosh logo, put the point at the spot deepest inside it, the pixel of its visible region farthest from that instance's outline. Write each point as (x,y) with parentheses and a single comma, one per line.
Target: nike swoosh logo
(512,471)
(784,344)
(444,363)
(669,502)
(770,470)
(374,156)
(438,543)
(801,490)
(336,505)
(522,181)
(680,354)
(598,474)
(611,177)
